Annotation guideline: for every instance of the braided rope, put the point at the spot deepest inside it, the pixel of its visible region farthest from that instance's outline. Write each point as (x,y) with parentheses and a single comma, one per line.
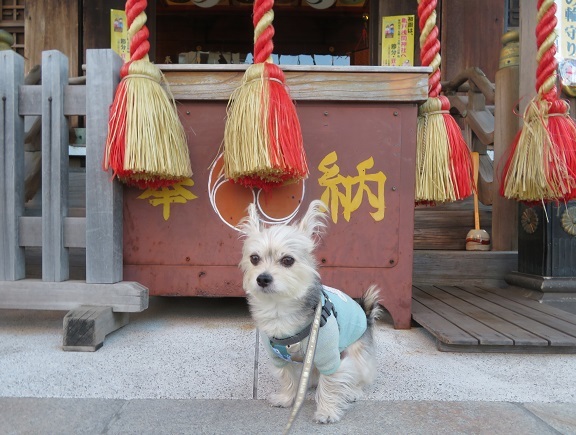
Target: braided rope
(430,44)
(263,30)
(545,40)
(138,33)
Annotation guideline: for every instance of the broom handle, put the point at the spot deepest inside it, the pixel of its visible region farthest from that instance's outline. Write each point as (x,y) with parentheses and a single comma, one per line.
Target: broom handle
(475,167)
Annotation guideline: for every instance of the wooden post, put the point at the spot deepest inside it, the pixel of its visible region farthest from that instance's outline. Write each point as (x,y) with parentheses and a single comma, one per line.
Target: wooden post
(103,195)
(12,264)
(504,211)
(55,259)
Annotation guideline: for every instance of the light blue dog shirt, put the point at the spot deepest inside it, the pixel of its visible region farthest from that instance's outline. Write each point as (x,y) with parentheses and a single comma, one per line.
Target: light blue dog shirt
(346,325)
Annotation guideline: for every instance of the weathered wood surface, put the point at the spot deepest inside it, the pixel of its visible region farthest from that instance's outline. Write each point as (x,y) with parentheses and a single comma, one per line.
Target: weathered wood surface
(125,296)
(103,196)
(457,267)
(504,211)
(445,226)
(54,166)
(51,27)
(481,120)
(86,327)
(31,95)
(465,318)
(470,35)
(217,82)
(74,231)
(12,266)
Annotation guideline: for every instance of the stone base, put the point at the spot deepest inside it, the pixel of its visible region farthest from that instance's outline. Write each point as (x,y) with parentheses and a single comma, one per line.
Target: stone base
(559,292)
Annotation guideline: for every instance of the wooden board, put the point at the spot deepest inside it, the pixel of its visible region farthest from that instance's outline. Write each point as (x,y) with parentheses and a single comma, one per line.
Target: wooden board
(50,26)
(487,319)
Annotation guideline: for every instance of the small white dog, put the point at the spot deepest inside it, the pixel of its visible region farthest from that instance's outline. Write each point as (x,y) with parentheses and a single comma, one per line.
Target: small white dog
(283,287)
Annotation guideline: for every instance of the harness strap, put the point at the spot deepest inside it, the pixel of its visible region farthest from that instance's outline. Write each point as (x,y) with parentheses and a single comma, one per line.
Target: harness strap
(327,310)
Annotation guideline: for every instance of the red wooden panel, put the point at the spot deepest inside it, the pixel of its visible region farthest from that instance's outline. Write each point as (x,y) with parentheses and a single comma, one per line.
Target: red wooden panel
(361,158)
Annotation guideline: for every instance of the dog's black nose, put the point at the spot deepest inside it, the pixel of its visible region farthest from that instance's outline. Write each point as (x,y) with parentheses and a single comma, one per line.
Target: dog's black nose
(264,279)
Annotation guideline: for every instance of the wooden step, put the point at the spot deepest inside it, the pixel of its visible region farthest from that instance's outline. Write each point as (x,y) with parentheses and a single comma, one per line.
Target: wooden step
(467,318)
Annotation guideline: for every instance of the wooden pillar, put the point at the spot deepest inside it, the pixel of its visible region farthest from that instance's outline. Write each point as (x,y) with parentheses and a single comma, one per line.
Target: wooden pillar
(11,166)
(103,195)
(504,211)
(55,256)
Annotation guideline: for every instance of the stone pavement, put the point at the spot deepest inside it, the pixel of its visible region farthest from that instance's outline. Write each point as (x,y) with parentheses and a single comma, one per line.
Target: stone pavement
(194,366)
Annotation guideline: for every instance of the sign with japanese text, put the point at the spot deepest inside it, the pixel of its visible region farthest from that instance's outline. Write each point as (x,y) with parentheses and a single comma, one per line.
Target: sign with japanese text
(119,34)
(398,40)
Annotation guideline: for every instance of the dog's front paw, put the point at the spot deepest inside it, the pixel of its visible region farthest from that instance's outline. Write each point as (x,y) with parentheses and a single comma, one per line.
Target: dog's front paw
(281,400)
(324,418)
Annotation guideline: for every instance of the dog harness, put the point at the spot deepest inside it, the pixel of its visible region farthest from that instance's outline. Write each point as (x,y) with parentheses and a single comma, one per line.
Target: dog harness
(343,322)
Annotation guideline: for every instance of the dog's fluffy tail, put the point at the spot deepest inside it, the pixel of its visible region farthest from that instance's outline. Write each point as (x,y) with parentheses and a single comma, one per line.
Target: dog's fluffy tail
(369,303)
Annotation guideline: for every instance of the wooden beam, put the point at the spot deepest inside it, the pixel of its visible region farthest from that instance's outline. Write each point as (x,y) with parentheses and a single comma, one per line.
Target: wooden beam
(217,82)
(31,294)
(86,327)
(31,95)
(30,231)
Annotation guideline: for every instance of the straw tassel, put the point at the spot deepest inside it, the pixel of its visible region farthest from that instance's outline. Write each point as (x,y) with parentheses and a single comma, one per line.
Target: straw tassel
(443,165)
(542,162)
(263,145)
(146,144)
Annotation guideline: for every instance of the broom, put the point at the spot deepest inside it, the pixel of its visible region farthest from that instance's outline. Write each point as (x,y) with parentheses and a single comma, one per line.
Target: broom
(263,144)
(146,144)
(542,162)
(443,165)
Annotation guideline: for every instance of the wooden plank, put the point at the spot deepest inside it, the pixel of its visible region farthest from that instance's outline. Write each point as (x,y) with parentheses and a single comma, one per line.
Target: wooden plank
(558,332)
(497,317)
(125,296)
(86,327)
(50,26)
(12,265)
(520,296)
(31,95)
(441,328)
(484,334)
(54,166)
(470,35)
(30,231)
(103,196)
(532,350)
(196,82)
(457,267)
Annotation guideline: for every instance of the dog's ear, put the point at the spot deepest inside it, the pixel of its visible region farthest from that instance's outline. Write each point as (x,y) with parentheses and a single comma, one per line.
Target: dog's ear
(314,221)
(251,223)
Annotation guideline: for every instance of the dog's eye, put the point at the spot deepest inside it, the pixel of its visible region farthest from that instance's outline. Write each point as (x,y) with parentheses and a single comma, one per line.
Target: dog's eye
(287,261)
(254,259)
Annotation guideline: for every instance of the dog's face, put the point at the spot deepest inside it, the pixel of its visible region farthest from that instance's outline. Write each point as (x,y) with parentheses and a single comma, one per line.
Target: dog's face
(279,260)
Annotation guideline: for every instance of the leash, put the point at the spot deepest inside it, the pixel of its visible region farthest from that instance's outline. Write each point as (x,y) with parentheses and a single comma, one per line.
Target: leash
(307,368)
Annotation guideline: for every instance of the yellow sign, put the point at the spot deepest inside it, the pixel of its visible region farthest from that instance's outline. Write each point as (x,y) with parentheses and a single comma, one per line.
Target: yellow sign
(334,197)
(119,34)
(176,194)
(398,40)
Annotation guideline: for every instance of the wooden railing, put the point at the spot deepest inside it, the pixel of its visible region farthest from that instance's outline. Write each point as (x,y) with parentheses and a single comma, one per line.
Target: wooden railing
(99,232)
(469,93)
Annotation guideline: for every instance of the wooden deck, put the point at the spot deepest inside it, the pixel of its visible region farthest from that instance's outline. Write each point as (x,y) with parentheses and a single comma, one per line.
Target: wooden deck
(484,319)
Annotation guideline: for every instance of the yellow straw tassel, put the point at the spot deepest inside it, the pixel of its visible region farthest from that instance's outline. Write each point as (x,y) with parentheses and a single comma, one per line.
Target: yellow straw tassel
(156,142)
(527,176)
(433,182)
(245,139)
